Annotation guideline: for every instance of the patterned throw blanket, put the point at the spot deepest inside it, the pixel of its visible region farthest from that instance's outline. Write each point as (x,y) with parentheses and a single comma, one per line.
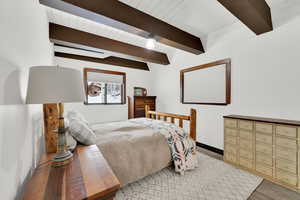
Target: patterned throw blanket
(183,148)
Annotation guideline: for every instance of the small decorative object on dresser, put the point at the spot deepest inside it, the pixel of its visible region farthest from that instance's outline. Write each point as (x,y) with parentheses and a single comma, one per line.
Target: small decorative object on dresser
(267,147)
(88,177)
(138,91)
(139,105)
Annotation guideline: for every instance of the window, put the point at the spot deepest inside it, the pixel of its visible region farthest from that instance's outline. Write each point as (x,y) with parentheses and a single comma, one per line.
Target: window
(104,87)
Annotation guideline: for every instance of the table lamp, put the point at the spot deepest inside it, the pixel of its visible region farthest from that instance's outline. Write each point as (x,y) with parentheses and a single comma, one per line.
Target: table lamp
(54,84)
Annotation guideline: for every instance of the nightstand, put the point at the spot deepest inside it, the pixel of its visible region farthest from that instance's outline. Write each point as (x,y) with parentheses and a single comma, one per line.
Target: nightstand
(88,176)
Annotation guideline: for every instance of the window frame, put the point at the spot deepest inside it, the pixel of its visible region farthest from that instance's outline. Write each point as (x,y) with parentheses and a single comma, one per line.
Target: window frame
(85,79)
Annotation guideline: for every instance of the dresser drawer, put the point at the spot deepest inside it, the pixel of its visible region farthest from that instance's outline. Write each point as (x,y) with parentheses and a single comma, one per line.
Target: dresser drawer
(230,149)
(288,154)
(288,131)
(246,125)
(246,154)
(246,135)
(264,158)
(264,127)
(268,139)
(230,157)
(264,148)
(139,102)
(288,143)
(231,132)
(246,144)
(246,163)
(139,107)
(286,177)
(139,114)
(231,123)
(149,101)
(230,140)
(143,107)
(264,169)
(286,166)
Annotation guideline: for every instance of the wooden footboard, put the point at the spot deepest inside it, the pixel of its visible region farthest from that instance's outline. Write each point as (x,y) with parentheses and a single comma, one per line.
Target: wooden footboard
(174,117)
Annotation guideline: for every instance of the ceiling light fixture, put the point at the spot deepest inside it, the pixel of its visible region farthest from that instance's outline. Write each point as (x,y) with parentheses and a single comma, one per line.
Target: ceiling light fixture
(150,43)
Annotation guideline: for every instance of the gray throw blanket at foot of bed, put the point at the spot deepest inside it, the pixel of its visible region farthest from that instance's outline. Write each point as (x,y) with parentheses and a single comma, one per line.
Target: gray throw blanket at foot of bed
(137,148)
(134,152)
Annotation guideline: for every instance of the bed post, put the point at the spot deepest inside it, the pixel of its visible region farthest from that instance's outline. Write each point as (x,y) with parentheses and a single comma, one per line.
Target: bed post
(193,120)
(147,109)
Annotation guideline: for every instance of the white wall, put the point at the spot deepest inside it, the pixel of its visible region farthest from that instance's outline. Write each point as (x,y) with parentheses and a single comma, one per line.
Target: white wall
(24,43)
(107,113)
(265,82)
(265,78)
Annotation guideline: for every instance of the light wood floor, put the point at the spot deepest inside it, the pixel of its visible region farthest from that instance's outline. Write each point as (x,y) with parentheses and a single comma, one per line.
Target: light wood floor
(266,190)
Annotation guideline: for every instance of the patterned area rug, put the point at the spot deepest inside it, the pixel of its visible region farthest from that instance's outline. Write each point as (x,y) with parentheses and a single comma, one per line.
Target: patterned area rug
(212,180)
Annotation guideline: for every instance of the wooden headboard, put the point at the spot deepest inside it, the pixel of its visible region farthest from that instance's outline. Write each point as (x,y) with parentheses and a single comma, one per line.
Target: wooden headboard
(192,118)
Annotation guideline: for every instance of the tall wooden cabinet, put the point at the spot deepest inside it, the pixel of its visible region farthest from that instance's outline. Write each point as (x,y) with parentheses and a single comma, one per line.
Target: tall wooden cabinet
(139,105)
(267,147)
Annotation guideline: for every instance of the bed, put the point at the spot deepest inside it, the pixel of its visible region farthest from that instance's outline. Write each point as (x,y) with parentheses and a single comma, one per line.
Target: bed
(139,147)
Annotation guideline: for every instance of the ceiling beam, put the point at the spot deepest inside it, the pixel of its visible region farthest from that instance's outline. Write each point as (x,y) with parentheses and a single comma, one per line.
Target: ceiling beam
(76,51)
(255,14)
(63,35)
(121,16)
(111,60)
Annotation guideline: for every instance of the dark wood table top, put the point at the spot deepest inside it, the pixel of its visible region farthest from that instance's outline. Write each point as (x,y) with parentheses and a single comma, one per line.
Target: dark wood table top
(88,176)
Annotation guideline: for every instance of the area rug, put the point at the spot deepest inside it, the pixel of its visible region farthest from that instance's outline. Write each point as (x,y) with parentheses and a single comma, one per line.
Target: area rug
(212,180)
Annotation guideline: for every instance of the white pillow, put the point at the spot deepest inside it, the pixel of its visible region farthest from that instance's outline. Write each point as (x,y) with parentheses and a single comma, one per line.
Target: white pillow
(71,142)
(81,132)
(76,115)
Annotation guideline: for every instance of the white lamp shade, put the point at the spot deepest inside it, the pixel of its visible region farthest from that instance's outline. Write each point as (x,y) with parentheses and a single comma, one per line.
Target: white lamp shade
(53,84)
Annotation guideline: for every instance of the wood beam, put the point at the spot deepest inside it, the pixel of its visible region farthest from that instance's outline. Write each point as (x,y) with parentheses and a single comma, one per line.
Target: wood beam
(121,16)
(255,14)
(63,35)
(122,62)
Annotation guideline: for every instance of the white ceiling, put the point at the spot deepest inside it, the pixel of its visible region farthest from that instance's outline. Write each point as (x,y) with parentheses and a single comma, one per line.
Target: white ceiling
(203,17)
(283,11)
(198,17)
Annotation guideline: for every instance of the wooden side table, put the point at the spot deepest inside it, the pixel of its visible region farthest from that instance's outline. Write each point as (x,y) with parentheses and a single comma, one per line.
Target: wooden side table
(88,176)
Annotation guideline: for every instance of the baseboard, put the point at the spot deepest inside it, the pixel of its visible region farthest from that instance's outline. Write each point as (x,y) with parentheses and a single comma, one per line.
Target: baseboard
(210,148)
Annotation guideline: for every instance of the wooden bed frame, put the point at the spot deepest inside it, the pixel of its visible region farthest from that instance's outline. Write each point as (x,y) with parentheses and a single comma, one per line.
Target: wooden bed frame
(192,118)
(51,123)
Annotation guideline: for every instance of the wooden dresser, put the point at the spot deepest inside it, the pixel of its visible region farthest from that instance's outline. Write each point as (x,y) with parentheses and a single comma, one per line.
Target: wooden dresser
(267,147)
(88,176)
(139,105)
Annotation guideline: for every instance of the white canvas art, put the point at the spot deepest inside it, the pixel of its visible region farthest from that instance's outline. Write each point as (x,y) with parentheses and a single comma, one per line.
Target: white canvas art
(206,85)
